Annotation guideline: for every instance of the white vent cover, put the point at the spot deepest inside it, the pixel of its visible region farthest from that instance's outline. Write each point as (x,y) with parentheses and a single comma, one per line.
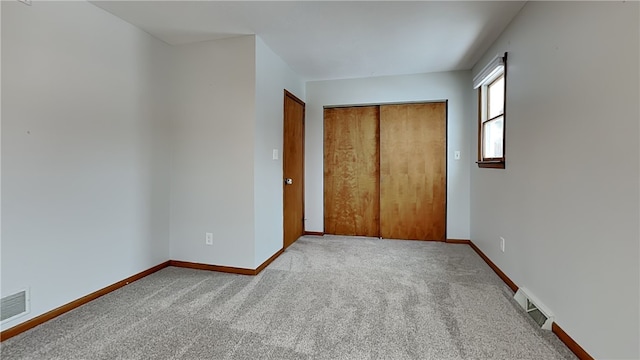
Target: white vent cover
(14,305)
(538,312)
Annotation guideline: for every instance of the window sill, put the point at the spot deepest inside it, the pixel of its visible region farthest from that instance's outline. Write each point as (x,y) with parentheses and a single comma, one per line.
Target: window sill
(493,164)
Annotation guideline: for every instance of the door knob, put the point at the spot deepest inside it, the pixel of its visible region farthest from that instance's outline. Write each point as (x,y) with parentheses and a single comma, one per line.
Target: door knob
(288,181)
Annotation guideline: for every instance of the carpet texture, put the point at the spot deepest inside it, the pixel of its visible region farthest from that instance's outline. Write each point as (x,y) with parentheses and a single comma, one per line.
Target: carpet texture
(325,298)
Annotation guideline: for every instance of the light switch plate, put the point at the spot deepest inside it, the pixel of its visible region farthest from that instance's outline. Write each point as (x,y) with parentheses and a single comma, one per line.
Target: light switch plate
(456,155)
(275,154)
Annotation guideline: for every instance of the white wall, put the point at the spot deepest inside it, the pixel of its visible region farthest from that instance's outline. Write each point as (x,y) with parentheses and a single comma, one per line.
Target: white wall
(0,154)
(272,76)
(452,86)
(84,155)
(567,203)
(228,118)
(213,136)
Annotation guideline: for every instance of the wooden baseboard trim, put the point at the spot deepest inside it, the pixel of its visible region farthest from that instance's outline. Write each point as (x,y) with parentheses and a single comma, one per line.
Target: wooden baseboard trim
(563,336)
(571,344)
(495,268)
(218,268)
(30,324)
(314,233)
(458,241)
(226,269)
(268,261)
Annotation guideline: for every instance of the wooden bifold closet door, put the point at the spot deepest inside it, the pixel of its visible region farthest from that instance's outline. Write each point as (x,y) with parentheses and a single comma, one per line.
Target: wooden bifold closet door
(385,171)
(351,171)
(413,171)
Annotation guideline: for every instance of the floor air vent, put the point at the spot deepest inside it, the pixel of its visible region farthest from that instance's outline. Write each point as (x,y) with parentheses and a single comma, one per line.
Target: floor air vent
(538,312)
(14,305)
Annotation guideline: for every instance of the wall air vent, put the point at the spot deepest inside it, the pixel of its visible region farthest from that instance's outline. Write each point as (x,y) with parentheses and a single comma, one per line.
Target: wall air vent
(538,312)
(14,305)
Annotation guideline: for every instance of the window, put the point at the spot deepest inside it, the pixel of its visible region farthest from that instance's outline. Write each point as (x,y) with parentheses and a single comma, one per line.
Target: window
(491,85)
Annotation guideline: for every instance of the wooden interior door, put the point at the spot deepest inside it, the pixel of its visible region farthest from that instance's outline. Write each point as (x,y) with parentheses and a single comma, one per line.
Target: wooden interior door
(413,171)
(351,170)
(293,168)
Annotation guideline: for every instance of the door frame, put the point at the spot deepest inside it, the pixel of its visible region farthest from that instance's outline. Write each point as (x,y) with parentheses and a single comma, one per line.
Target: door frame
(446,153)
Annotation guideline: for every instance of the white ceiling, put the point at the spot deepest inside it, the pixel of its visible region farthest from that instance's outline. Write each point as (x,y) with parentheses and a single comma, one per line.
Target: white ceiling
(336,39)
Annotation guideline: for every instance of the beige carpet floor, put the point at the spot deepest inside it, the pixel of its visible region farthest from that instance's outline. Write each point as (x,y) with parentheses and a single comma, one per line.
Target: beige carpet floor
(324,298)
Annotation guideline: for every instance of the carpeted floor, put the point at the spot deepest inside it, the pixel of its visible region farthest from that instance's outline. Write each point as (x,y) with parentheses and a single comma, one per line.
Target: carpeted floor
(324,298)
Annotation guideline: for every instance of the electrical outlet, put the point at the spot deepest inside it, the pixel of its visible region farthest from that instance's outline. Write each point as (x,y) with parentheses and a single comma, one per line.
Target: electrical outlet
(208,238)
(502,243)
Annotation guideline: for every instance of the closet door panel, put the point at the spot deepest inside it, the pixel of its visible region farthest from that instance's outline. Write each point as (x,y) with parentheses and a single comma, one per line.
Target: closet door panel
(413,171)
(351,171)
